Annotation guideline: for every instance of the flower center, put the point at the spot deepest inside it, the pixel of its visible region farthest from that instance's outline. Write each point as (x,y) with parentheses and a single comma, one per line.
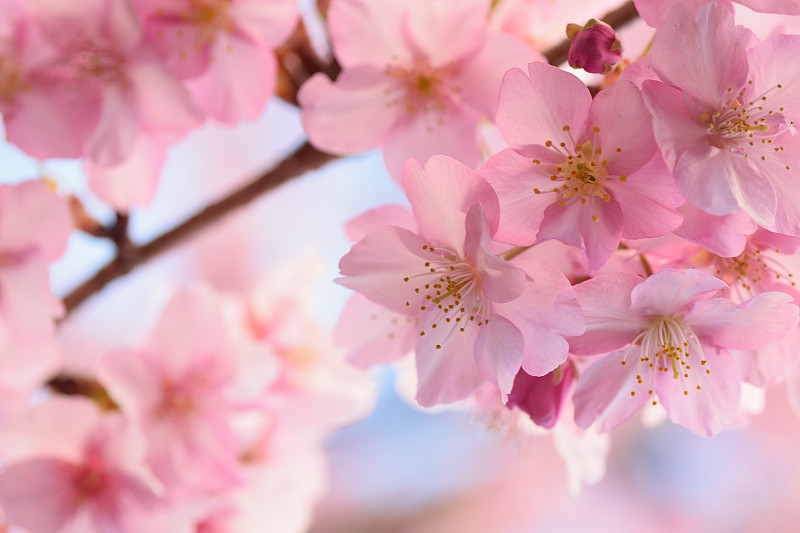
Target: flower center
(11,79)
(669,345)
(453,293)
(748,126)
(423,88)
(581,175)
(209,17)
(746,272)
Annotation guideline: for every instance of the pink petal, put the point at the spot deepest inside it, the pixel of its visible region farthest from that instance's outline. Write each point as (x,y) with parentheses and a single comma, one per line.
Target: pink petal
(118,129)
(718,55)
(26,303)
(481,76)
(780,171)
(648,200)
(440,195)
(535,109)
(377,22)
(448,373)
(498,352)
(601,235)
(676,129)
(32,216)
(423,135)
(725,236)
(39,494)
(378,264)
(761,320)
(372,334)
(610,325)
(513,177)
(238,82)
(603,395)
(447,31)
(133,379)
(385,215)
(133,181)
(163,106)
(776,63)
(70,123)
(720,181)
(670,292)
(624,123)
(787,7)
(706,410)
(265,23)
(501,281)
(351,115)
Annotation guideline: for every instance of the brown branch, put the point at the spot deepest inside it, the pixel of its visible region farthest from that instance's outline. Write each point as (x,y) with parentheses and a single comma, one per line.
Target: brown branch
(616,19)
(130,256)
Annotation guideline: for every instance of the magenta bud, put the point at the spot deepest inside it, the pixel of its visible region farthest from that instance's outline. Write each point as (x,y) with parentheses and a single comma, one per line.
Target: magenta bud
(595,47)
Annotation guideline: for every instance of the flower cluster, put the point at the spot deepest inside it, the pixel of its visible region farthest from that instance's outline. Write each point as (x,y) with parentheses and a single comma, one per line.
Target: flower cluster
(648,231)
(569,255)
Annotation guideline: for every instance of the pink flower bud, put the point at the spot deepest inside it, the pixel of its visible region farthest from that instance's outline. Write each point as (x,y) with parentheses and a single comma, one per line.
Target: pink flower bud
(595,47)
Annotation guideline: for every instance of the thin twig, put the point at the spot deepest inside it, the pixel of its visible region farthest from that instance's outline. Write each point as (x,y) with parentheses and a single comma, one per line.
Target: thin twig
(304,159)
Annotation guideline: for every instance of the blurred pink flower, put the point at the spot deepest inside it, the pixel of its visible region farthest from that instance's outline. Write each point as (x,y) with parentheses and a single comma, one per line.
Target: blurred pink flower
(224,47)
(417,78)
(35,225)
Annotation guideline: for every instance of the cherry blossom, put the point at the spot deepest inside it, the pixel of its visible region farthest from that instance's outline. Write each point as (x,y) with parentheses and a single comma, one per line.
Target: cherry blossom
(579,170)
(481,318)
(417,78)
(725,122)
(34,227)
(223,46)
(69,468)
(182,391)
(670,338)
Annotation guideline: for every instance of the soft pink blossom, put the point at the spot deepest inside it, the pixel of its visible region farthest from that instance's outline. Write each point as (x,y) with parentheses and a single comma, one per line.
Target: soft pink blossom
(183,387)
(724,121)
(93,480)
(581,170)
(34,228)
(417,78)
(670,337)
(224,47)
(481,317)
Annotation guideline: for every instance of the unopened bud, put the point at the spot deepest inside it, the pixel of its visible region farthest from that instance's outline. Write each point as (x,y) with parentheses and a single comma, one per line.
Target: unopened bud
(595,47)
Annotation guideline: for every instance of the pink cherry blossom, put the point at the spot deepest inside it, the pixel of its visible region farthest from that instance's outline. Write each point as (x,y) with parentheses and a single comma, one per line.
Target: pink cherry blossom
(579,170)
(92,480)
(417,78)
(183,388)
(225,47)
(315,389)
(724,121)
(481,317)
(670,338)
(34,227)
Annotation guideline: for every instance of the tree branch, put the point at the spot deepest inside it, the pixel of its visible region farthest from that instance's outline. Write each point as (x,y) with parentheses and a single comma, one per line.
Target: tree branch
(130,256)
